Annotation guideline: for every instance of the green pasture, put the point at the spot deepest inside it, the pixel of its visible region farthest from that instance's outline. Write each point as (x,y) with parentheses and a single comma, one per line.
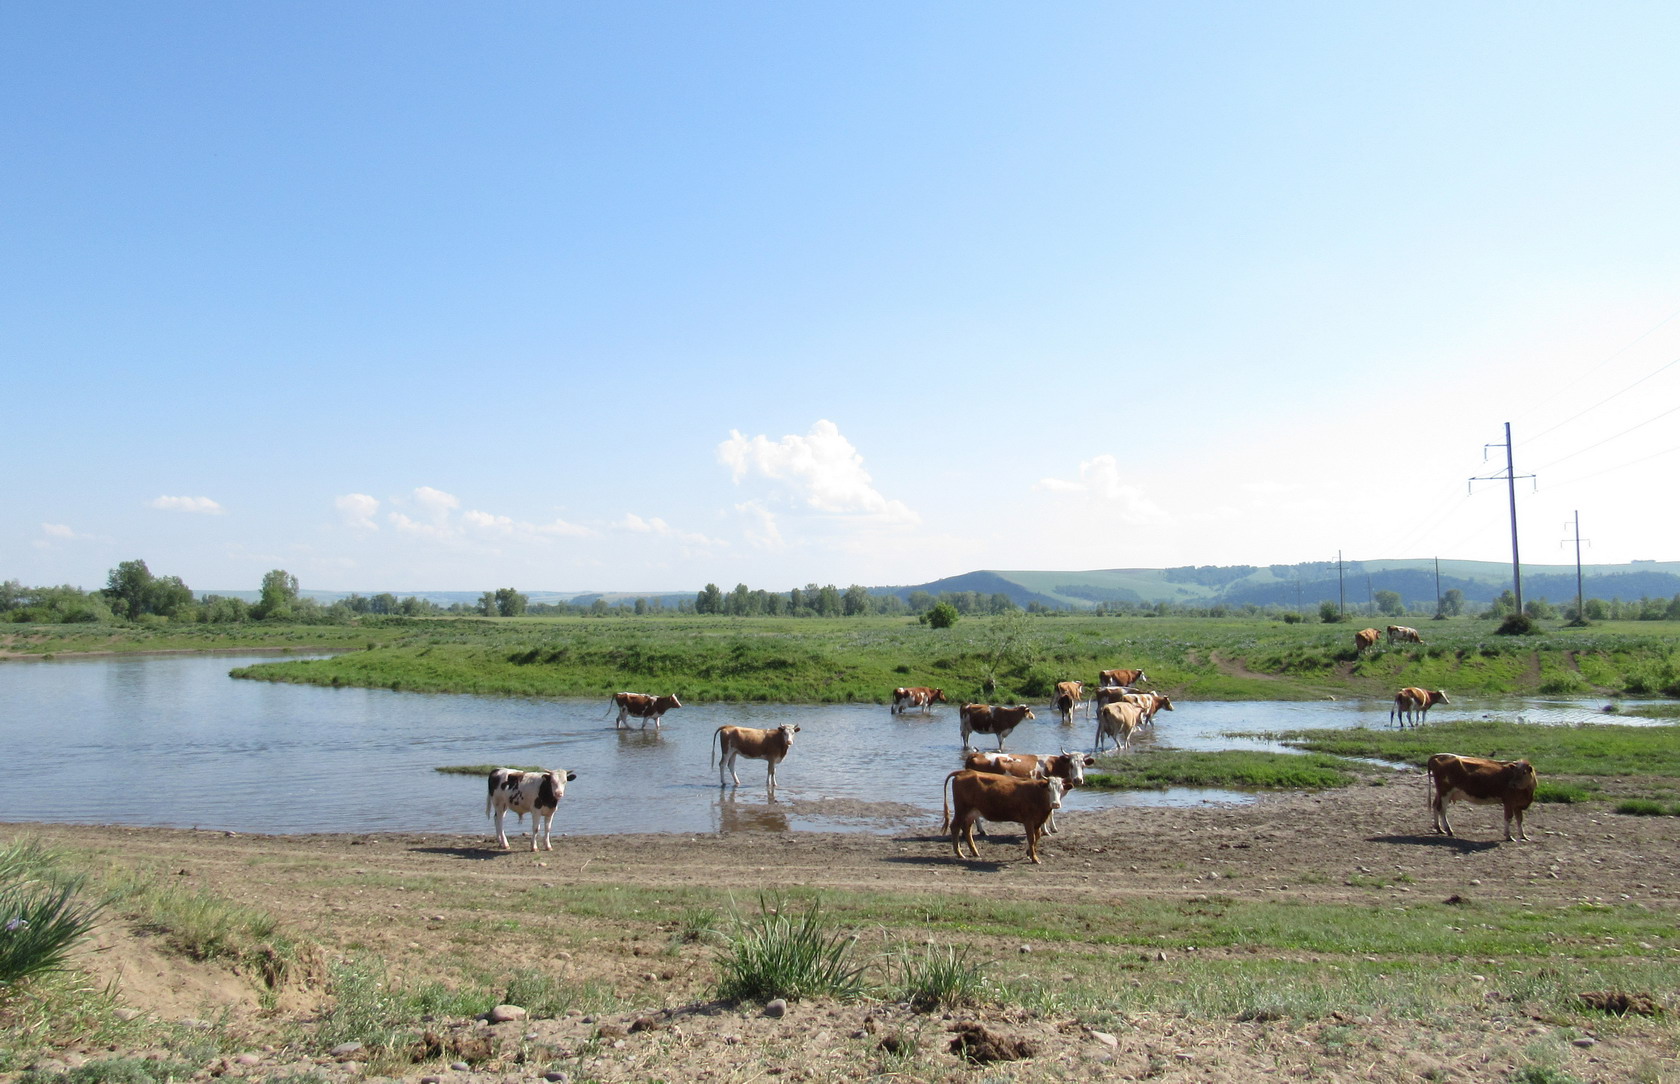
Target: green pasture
(1010,658)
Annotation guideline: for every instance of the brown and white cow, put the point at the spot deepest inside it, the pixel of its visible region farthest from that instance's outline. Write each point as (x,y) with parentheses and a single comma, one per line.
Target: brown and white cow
(916,696)
(986,719)
(1068,699)
(1118,720)
(1365,638)
(1121,677)
(1412,704)
(1108,694)
(771,746)
(643,707)
(976,795)
(1066,766)
(1150,703)
(1509,783)
(536,793)
(1400,634)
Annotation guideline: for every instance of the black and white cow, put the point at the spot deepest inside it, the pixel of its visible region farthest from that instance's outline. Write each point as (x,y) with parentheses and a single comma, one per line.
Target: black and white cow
(536,793)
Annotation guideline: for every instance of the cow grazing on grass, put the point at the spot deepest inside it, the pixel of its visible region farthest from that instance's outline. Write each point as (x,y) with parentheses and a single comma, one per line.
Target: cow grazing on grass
(976,795)
(536,793)
(1412,704)
(1118,720)
(1068,695)
(643,707)
(1400,634)
(770,746)
(1509,783)
(916,696)
(986,719)
(1150,703)
(1121,677)
(1066,766)
(1365,638)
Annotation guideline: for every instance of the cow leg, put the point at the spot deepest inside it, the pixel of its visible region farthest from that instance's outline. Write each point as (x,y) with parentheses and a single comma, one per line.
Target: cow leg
(1518,817)
(1050,823)
(1033,832)
(542,822)
(968,834)
(501,835)
(1441,811)
(770,779)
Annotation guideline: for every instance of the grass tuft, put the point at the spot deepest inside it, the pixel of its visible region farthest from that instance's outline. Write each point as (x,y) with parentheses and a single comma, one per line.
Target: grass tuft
(41,915)
(935,979)
(780,955)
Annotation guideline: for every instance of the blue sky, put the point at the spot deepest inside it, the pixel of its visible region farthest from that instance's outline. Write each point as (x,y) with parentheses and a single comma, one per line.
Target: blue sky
(639,296)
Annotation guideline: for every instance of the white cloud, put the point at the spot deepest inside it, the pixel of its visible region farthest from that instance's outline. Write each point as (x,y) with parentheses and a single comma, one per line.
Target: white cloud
(437,520)
(761,529)
(436,502)
(1100,482)
(203,506)
(507,527)
(821,469)
(357,510)
(58,530)
(656,526)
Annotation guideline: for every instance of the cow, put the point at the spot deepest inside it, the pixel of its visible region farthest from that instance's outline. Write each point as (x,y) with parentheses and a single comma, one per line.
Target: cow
(1364,638)
(916,696)
(1068,695)
(976,795)
(536,793)
(745,741)
(1066,766)
(1150,703)
(1121,677)
(985,719)
(1413,704)
(1118,720)
(1108,694)
(1509,783)
(1400,634)
(643,707)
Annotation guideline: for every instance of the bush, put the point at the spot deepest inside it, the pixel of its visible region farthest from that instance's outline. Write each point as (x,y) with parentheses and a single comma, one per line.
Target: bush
(942,616)
(778,955)
(1517,625)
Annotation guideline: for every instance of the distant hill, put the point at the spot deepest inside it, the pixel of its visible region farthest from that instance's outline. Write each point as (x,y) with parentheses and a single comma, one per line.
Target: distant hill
(1306,585)
(1301,586)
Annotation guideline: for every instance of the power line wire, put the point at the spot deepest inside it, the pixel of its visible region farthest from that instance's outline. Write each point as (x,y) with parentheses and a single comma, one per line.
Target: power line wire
(1611,437)
(1590,370)
(1601,402)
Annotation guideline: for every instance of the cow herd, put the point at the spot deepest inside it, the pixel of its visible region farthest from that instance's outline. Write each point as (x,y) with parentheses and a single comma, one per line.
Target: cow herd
(1020,788)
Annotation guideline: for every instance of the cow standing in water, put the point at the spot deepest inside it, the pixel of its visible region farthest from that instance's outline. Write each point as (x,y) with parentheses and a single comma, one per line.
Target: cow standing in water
(745,741)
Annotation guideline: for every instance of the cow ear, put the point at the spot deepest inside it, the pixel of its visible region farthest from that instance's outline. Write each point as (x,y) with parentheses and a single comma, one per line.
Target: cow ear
(570,776)
(796,728)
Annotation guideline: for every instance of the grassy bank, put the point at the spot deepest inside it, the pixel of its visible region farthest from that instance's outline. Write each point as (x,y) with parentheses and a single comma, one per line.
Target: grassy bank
(1003,659)
(1015,658)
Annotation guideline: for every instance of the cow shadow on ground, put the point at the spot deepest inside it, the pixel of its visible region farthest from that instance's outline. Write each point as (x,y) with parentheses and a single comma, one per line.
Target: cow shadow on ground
(481,853)
(1451,843)
(983,865)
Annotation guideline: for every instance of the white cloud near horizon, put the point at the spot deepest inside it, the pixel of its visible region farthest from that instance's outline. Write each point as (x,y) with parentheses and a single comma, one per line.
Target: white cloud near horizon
(656,526)
(202,506)
(820,470)
(438,521)
(1100,481)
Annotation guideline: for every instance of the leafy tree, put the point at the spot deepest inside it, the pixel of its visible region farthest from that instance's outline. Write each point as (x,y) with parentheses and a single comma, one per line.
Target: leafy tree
(279,596)
(1505,605)
(855,601)
(1328,612)
(487,604)
(223,609)
(828,601)
(1539,609)
(709,600)
(510,603)
(942,616)
(1452,603)
(126,587)
(1389,603)
(169,597)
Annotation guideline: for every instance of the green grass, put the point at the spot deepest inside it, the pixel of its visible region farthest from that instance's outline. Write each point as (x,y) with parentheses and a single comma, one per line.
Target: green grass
(43,915)
(778,954)
(937,978)
(1158,769)
(1586,749)
(1013,658)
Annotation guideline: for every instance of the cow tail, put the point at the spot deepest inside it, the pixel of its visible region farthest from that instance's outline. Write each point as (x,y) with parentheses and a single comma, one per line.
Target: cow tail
(711,748)
(490,797)
(944,802)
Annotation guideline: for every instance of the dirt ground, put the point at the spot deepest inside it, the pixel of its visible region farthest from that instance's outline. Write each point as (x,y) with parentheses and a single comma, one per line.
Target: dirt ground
(399,895)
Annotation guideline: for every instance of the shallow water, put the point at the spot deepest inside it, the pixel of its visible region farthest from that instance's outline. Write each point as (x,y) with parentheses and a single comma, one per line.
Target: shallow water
(173,741)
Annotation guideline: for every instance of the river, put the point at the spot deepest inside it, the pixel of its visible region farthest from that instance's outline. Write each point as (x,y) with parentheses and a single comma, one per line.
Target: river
(173,741)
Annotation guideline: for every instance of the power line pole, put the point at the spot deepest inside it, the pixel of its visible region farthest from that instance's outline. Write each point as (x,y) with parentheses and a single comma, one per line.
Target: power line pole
(1580,602)
(1510,477)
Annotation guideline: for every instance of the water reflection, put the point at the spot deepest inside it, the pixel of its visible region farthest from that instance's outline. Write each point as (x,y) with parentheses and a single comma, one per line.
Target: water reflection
(736,816)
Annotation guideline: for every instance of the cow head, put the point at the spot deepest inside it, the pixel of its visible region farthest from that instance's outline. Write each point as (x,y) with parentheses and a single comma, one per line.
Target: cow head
(1074,767)
(1027,712)
(939,695)
(1055,786)
(1521,772)
(1166,703)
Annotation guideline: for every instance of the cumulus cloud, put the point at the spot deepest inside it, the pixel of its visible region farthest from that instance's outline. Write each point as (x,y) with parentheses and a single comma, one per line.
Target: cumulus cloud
(821,470)
(202,506)
(1100,481)
(58,530)
(761,529)
(436,518)
(357,510)
(656,526)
